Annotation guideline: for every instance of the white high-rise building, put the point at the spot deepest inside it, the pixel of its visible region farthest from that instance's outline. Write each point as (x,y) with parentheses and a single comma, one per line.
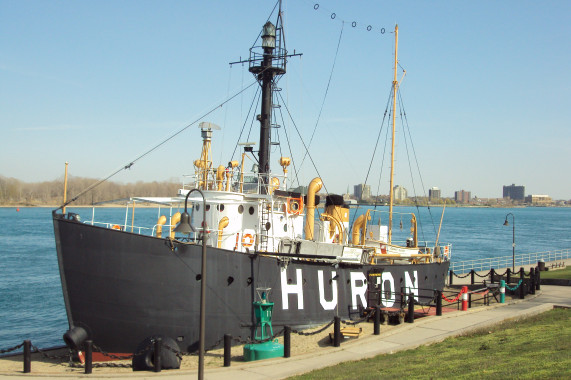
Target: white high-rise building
(400,193)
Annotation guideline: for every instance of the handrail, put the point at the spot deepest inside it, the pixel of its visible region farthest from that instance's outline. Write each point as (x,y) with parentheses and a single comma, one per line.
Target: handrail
(461,267)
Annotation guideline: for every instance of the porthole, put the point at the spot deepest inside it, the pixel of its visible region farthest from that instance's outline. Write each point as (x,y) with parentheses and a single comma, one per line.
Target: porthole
(207,207)
(240,209)
(198,277)
(221,208)
(285,227)
(251,210)
(268,226)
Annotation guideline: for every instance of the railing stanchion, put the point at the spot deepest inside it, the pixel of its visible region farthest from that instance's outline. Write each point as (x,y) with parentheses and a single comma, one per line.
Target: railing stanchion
(227,350)
(439,302)
(287,342)
(88,356)
(377,321)
(336,331)
(27,356)
(157,355)
(521,285)
(410,316)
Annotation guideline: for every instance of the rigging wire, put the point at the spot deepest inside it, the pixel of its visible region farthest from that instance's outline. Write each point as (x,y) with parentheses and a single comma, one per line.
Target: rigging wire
(254,101)
(407,128)
(289,147)
(387,109)
(130,164)
(301,139)
(325,95)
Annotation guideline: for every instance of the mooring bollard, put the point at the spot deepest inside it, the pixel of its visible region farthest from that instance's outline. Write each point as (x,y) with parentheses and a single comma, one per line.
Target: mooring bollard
(537,279)
(27,356)
(509,274)
(157,354)
(464,298)
(492,275)
(451,275)
(472,279)
(439,302)
(336,331)
(502,291)
(287,342)
(469,300)
(88,356)
(377,321)
(410,316)
(227,350)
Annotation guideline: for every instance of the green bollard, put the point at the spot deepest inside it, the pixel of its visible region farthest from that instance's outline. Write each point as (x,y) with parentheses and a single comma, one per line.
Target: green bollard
(502,291)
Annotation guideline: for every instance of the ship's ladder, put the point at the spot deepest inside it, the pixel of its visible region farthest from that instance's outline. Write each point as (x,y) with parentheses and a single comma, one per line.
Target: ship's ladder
(264,226)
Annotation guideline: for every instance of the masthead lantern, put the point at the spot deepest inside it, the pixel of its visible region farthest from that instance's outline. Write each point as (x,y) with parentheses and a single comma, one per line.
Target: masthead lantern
(269,36)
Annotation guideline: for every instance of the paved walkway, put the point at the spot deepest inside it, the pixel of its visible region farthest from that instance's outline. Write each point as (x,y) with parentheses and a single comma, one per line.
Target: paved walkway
(406,336)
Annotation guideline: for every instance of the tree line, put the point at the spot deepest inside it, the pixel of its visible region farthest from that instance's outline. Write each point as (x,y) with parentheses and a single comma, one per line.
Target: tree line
(16,192)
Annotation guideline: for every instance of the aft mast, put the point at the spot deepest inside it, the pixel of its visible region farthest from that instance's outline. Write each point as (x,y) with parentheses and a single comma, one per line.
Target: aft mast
(395,88)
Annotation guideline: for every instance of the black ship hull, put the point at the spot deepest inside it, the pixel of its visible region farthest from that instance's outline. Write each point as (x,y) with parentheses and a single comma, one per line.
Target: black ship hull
(123,287)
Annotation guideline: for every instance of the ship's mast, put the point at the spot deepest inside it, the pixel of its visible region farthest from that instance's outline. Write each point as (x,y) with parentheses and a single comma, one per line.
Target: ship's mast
(395,88)
(271,68)
(268,66)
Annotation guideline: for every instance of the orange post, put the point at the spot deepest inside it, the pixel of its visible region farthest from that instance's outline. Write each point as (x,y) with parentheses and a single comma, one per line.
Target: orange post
(464,292)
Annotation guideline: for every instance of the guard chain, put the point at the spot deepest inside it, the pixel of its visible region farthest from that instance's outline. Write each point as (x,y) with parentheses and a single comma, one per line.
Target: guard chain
(53,357)
(6,350)
(483,275)
(313,332)
(353,323)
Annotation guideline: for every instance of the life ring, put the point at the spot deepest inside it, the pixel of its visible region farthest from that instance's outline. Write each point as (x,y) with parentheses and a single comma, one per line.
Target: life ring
(294,206)
(116,227)
(247,240)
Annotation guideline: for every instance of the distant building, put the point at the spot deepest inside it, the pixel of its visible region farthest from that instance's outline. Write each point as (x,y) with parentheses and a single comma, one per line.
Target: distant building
(515,193)
(362,191)
(462,196)
(400,193)
(538,199)
(434,194)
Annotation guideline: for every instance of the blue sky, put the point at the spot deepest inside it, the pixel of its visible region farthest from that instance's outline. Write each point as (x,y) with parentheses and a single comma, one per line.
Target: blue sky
(97,83)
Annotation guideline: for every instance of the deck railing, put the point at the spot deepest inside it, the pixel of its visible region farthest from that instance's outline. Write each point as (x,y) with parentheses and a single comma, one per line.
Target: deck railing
(460,267)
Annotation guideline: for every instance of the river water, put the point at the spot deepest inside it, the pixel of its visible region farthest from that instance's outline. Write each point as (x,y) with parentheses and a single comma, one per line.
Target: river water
(31,301)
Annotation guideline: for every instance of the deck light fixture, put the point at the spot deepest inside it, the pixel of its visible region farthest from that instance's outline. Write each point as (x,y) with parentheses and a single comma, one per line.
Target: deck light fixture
(185,228)
(506,223)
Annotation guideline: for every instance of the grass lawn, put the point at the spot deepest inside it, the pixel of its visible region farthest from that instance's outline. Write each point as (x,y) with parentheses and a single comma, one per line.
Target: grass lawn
(538,347)
(564,273)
